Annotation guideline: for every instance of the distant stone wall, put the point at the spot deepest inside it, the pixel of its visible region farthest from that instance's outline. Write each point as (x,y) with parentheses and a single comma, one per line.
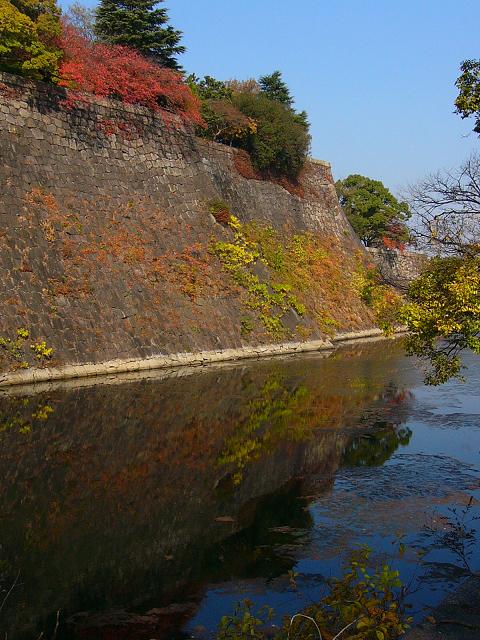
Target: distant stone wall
(104,229)
(398,268)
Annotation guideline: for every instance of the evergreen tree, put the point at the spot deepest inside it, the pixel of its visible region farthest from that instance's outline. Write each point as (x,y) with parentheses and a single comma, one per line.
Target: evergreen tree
(138,24)
(374,213)
(302,118)
(275,88)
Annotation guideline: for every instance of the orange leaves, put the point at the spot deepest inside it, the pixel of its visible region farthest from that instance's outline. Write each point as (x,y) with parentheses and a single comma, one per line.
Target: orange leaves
(36,197)
(243,164)
(393,244)
(122,245)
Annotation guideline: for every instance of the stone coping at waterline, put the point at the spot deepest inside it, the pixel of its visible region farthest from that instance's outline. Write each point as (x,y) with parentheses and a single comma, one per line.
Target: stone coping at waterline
(188,359)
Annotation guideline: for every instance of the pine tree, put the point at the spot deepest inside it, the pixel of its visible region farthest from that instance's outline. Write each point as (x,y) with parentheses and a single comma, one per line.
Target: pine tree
(138,24)
(276,89)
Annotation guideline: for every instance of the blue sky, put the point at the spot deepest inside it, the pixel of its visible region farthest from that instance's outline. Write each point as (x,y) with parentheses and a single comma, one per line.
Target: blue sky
(376,77)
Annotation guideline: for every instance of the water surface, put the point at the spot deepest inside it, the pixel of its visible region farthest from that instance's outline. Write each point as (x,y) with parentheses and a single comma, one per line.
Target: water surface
(148,509)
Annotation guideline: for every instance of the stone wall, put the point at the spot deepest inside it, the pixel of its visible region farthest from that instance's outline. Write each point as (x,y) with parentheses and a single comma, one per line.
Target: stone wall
(105,230)
(398,268)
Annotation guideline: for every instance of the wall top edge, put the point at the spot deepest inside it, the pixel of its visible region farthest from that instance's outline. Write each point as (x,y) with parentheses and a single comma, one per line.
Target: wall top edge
(95,101)
(323,163)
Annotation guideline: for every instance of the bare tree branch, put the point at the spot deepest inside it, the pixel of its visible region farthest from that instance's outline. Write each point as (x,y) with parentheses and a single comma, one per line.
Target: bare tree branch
(446,210)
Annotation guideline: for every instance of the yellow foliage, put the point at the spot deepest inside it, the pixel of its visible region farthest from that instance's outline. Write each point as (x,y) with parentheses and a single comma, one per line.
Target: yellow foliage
(444,303)
(27,31)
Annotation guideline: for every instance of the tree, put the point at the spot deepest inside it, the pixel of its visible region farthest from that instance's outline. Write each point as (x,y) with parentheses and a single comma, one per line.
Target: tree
(243,86)
(137,24)
(280,144)
(225,123)
(241,114)
(446,210)
(82,18)
(209,88)
(275,88)
(468,100)
(374,213)
(302,118)
(115,71)
(443,312)
(28,33)
(444,303)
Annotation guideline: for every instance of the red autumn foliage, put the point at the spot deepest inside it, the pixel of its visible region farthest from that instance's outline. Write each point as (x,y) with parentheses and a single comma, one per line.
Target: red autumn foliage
(128,130)
(113,71)
(243,165)
(393,244)
(396,237)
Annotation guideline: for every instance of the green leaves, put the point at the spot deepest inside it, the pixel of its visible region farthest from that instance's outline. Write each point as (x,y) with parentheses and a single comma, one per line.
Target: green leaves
(275,88)
(280,144)
(467,102)
(243,623)
(364,603)
(256,117)
(28,31)
(372,210)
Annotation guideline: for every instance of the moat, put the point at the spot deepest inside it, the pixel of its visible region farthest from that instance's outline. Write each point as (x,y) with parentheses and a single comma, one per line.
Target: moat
(147,509)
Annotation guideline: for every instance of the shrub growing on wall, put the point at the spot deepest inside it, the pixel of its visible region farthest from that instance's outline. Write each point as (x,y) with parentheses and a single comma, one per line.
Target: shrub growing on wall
(114,71)
(224,122)
(280,143)
(256,117)
(29,30)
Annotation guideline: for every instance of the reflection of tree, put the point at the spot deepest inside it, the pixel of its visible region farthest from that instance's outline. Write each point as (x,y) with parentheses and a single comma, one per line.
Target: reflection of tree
(253,551)
(374,448)
(385,431)
(280,414)
(112,500)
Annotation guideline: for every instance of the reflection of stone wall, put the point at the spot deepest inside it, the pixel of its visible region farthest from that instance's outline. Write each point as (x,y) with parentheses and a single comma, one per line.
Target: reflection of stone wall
(116,491)
(398,268)
(104,229)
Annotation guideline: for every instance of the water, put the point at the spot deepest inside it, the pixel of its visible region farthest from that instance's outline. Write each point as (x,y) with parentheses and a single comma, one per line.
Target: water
(147,509)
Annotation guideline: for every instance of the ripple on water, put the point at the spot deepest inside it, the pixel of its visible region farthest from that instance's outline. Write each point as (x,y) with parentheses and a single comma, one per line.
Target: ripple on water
(398,496)
(454,420)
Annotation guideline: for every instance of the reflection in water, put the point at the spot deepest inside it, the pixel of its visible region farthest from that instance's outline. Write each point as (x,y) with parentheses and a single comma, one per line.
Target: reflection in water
(376,447)
(278,414)
(23,414)
(121,504)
